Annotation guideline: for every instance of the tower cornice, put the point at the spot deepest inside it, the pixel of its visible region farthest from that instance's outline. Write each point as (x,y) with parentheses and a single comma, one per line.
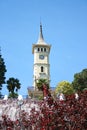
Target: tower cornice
(41,64)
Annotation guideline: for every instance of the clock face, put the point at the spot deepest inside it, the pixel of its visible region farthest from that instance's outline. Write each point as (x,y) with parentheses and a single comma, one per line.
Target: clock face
(41,56)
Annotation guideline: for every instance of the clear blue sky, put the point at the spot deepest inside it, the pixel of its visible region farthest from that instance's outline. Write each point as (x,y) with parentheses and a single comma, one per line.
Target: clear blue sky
(64,27)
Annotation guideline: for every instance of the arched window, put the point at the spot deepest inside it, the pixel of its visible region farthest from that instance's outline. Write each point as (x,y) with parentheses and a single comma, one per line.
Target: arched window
(38,49)
(41,49)
(44,49)
(42,68)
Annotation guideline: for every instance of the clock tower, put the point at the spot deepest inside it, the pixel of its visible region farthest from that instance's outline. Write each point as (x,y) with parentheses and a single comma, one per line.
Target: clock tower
(41,50)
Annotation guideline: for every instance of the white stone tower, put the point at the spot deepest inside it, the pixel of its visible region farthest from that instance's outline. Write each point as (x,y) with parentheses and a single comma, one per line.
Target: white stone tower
(41,52)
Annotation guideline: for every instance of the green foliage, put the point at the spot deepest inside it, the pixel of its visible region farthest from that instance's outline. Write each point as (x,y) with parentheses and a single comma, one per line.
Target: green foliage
(13,95)
(80,80)
(2,72)
(40,83)
(64,87)
(13,85)
(40,97)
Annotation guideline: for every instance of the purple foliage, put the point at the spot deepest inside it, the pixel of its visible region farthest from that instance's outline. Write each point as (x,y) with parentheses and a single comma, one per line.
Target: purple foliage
(70,114)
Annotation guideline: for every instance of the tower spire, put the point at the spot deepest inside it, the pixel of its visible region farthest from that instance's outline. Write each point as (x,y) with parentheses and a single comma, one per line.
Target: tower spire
(41,38)
(41,33)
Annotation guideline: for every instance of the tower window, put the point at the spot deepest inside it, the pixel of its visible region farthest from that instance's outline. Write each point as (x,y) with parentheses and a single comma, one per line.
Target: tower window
(42,68)
(44,49)
(41,49)
(38,49)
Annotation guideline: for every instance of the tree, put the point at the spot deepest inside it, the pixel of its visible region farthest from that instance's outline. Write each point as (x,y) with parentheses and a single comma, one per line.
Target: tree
(40,82)
(2,72)
(80,80)
(64,87)
(13,85)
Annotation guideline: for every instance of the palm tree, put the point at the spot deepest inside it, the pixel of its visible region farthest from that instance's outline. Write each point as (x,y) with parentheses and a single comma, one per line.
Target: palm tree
(40,83)
(13,85)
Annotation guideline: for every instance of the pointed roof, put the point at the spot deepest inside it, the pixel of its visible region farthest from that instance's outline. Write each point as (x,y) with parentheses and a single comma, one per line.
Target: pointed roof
(41,33)
(40,42)
(41,38)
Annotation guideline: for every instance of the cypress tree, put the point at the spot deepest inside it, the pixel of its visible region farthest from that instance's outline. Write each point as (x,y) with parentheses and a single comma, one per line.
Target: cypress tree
(2,72)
